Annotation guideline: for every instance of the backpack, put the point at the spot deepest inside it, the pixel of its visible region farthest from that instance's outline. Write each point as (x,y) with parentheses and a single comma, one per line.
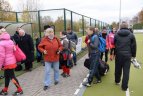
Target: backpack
(103,67)
(102,43)
(87,63)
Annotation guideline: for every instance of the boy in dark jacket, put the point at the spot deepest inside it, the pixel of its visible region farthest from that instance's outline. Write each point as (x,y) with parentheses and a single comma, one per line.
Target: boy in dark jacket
(72,37)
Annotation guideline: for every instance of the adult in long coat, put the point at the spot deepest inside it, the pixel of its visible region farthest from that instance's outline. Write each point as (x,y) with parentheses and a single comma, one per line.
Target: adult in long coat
(25,43)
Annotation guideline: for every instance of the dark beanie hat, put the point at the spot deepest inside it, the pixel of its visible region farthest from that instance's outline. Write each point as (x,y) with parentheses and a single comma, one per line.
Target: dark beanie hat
(47,26)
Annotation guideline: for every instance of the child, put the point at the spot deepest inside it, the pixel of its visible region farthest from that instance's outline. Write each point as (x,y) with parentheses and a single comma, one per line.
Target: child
(38,53)
(8,62)
(65,56)
(111,43)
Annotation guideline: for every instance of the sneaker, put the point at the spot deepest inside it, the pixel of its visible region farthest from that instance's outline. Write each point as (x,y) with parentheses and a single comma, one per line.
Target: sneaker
(18,93)
(3,93)
(124,89)
(117,83)
(30,70)
(97,81)
(56,83)
(68,75)
(1,77)
(75,64)
(45,88)
(62,74)
(86,84)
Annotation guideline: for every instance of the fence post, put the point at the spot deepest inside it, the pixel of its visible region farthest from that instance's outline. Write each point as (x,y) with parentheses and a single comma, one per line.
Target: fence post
(16,14)
(64,19)
(83,24)
(90,21)
(39,23)
(101,24)
(95,23)
(71,20)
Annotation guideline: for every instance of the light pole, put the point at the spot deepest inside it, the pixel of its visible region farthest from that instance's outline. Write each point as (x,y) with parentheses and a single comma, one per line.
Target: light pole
(120,13)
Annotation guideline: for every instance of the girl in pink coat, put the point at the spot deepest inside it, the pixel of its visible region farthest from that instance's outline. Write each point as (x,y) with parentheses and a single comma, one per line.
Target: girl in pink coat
(110,43)
(8,62)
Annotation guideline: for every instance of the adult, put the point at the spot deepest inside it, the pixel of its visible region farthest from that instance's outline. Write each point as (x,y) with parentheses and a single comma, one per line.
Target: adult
(8,62)
(94,55)
(125,46)
(25,43)
(50,46)
(73,37)
(16,36)
(87,38)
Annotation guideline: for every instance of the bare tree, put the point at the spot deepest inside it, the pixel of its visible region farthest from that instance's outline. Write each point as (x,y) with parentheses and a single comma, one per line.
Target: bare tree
(27,6)
(4,14)
(4,5)
(140,15)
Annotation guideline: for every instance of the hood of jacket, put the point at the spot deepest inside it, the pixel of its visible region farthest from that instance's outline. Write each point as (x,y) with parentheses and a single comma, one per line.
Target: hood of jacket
(4,36)
(124,32)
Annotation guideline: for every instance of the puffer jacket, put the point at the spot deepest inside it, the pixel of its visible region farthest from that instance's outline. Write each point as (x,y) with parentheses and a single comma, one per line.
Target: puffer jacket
(7,58)
(125,43)
(110,41)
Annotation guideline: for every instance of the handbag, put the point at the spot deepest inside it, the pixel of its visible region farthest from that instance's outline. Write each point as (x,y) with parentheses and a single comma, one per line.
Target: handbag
(87,63)
(19,55)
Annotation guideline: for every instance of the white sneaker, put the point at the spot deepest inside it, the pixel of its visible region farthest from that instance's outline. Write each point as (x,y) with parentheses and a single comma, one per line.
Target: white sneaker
(86,84)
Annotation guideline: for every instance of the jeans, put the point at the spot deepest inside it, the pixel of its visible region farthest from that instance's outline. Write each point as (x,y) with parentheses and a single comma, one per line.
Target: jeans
(74,57)
(94,67)
(48,66)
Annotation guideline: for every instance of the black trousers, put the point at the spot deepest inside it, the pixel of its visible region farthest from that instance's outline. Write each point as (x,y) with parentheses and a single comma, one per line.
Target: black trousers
(9,75)
(112,51)
(28,65)
(122,64)
(106,55)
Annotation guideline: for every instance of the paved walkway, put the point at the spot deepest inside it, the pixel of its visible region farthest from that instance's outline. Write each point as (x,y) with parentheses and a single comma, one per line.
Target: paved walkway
(32,82)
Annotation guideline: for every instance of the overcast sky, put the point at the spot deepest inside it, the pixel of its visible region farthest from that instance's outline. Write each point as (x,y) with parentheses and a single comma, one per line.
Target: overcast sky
(104,10)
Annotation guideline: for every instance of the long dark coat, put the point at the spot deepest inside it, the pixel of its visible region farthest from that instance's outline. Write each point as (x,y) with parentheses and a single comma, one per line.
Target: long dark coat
(26,45)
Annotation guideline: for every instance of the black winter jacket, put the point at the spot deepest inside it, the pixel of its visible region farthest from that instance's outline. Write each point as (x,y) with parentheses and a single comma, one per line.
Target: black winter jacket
(73,37)
(25,43)
(125,43)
